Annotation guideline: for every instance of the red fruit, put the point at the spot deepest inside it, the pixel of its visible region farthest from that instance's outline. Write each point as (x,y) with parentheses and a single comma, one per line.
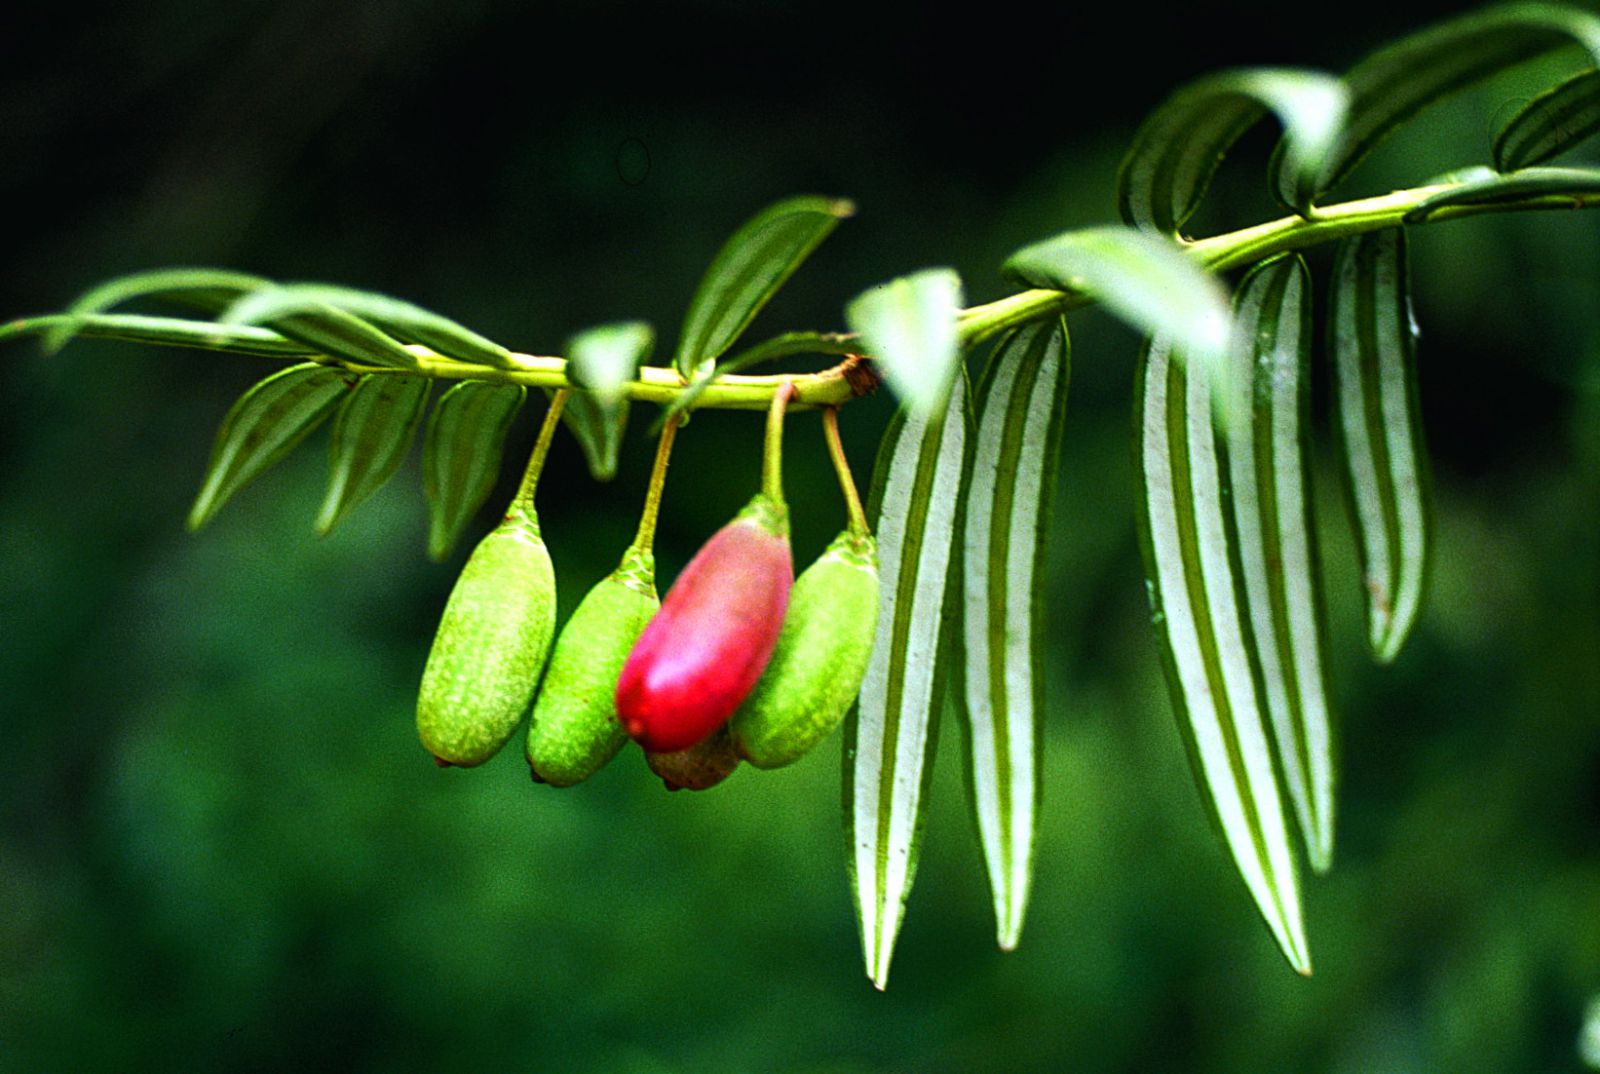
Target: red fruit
(711,640)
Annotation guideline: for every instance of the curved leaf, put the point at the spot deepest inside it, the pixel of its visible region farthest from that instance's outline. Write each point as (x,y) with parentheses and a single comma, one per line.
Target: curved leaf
(602,361)
(1144,279)
(748,271)
(1022,404)
(1269,480)
(461,455)
(1563,187)
(165,331)
(909,327)
(371,433)
(1550,124)
(203,288)
(331,331)
(782,346)
(1380,429)
(1177,150)
(263,426)
(1195,601)
(889,735)
(407,322)
(1396,82)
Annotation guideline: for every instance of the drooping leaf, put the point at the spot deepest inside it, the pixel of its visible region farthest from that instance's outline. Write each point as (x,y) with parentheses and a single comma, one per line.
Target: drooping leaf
(601,362)
(371,433)
(1022,403)
(408,323)
(164,331)
(205,289)
(330,330)
(908,325)
(1269,480)
(1177,150)
(1144,279)
(1559,187)
(1195,601)
(748,271)
(1396,82)
(1550,124)
(889,735)
(263,426)
(461,455)
(1380,430)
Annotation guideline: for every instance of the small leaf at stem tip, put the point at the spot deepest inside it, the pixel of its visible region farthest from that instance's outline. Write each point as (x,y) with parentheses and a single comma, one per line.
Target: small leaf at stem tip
(332,331)
(1179,147)
(1144,279)
(1393,84)
(1550,124)
(748,271)
(1575,187)
(202,288)
(909,327)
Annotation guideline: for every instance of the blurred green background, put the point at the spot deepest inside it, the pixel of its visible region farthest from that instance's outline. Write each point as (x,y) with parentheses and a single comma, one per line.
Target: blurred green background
(220,844)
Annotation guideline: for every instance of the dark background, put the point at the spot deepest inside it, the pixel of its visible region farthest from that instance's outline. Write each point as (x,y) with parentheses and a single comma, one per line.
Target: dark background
(220,845)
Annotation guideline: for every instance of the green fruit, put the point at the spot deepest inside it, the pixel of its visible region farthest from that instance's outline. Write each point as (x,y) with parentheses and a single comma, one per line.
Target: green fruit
(575,729)
(491,645)
(700,767)
(820,659)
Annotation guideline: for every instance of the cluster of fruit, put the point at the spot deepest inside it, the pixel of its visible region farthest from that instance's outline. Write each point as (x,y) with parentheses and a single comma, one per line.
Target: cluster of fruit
(741,661)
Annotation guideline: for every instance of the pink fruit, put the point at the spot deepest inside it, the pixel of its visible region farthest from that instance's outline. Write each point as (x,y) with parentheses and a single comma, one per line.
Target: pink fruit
(708,645)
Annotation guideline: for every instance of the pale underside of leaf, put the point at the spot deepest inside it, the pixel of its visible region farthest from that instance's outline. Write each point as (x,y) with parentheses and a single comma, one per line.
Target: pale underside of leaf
(1179,147)
(908,325)
(1144,279)
(330,330)
(747,272)
(1550,124)
(371,434)
(1555,187)
(888,745)
(263,426)
(1269,479)
(1396,82)
(1375,394)
(602,361)
(461,455)
(1195,601)
(1022,405)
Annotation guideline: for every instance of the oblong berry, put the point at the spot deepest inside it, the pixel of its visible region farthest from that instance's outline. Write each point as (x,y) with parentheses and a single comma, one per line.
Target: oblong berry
(704,650)
(574,730)
(820,659)
(491,645)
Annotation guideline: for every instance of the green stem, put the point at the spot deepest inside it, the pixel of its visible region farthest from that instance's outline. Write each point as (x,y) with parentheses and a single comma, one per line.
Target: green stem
(541,448)
(644,541)
(772,454)
(841,466)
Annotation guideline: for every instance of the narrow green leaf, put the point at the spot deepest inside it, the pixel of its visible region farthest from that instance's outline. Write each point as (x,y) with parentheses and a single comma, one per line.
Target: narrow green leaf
(165,331)
(1380,429)
(1396,82)
(202,288)
(263,426)
(602,361)
(1550,124)
(374,428)
(407,322)
(1269,479)
(748,271)
(1195,597)
(908,325)
(783,346)
(1179,147)
(461,455)
(1562,187)
(1022,404)
(1144,279)
(889,735)
(331,331)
